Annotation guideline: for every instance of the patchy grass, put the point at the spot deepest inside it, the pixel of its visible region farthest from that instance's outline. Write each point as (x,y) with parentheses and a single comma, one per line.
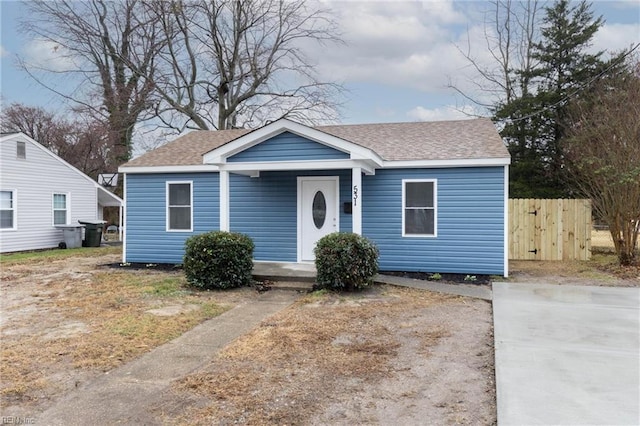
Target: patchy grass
(65,317)
(56,254)
(167,287)
(603,267)
(300,359)
(608,263)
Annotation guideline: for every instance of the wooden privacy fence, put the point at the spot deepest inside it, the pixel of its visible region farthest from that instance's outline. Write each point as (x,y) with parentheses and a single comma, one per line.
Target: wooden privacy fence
(542,229)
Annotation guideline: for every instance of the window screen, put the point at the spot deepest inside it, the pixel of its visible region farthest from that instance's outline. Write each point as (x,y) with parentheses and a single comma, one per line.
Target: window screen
(7,210)
(419,208)
(179,206)
(60,209)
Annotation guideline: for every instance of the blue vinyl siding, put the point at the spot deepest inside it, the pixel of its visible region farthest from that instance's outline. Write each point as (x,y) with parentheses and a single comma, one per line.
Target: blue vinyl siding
(470,220)
(265,208)
(147,238)
(288,147)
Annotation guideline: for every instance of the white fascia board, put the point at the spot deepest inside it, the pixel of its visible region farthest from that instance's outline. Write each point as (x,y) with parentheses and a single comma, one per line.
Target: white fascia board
(169,169)
(369,156)
(220,155)
(366,166)
(477,162)
(249,173)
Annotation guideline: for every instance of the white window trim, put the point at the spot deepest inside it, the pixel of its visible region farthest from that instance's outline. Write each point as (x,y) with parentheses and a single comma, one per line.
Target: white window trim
(435,208)
(67,200)
(14,198)
(175,182)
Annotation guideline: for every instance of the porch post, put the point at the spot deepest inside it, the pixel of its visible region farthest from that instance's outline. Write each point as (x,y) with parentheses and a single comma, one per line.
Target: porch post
(356,199)
(123,219)
(224,200)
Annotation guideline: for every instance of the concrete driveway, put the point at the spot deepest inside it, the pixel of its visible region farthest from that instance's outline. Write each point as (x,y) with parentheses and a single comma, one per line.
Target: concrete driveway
(567,355)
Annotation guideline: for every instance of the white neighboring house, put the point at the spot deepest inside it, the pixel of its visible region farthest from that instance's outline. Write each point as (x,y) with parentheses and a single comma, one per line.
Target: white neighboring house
(39,190)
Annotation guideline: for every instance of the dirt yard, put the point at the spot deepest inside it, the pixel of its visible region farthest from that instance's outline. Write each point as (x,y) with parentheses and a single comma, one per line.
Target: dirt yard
(67,319)
(601,270)
(386,355)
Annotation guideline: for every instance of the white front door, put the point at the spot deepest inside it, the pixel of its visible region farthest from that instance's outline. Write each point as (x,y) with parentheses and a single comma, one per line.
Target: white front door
(318,212)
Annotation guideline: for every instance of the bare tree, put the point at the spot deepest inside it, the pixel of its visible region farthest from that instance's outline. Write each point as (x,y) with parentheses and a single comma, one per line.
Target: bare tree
(603,155)
(511,30)
(107,44)
(37,123)
(504,84)
(232,63)
(83,143)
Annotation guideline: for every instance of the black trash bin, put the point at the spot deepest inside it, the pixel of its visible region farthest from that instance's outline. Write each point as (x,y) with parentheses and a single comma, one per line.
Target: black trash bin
(93,232)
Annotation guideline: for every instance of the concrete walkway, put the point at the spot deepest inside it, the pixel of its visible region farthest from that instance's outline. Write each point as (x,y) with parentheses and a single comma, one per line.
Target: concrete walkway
(127,394)
(304,274)
(567,355)
(468,290)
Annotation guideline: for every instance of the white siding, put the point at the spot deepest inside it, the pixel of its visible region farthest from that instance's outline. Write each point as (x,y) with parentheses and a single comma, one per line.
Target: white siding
(36,179)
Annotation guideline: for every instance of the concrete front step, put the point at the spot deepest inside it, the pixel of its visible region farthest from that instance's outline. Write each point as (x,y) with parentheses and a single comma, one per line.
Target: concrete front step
(270,284)
(302,276)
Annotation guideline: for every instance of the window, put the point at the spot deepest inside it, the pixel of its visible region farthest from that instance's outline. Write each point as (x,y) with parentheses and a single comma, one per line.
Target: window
(419,216)
(60,209)
(21,151)
(7,209)
(179,208)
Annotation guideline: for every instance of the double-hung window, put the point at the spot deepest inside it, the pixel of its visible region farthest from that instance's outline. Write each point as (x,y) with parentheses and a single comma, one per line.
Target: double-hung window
(179,206)
(8,210)
(419,209)
(60,209)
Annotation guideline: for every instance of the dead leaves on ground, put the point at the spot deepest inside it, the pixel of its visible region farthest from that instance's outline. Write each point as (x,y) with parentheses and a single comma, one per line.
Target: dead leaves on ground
(286,368)
(94,320)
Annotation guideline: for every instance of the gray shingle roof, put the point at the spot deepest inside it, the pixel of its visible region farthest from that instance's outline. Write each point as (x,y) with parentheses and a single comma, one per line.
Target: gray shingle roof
(438,140)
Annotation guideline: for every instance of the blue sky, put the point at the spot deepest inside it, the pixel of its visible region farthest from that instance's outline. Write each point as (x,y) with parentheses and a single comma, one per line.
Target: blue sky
(396,62)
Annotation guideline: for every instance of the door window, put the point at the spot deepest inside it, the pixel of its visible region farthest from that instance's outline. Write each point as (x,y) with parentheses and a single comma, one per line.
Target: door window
(319,209)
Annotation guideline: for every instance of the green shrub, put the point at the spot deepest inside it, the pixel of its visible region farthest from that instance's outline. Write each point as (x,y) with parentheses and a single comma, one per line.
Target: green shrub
(218,260)
(345,261)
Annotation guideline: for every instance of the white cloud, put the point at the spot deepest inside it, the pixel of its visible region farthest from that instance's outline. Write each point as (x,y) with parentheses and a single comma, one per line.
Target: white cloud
(3,51)
(406,44)
(616,37)
(48,55)
(413,45)
(443,11)
(448,112)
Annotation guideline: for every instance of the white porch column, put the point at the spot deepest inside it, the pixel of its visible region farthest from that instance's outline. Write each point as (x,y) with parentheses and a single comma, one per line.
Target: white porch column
(356,199)
(224,200)
(122,228)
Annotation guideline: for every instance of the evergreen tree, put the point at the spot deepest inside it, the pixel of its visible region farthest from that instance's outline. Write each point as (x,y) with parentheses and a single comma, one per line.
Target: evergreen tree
(565,68)
(535,122)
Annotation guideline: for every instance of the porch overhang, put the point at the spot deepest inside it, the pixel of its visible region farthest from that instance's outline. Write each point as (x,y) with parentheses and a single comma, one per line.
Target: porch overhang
(107,198)
(253,169)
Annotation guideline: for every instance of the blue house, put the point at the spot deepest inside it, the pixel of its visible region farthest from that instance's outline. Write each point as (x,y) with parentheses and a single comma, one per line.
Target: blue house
(431,195)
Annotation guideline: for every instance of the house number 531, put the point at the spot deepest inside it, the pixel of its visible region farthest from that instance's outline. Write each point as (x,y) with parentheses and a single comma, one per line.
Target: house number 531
(355,195)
